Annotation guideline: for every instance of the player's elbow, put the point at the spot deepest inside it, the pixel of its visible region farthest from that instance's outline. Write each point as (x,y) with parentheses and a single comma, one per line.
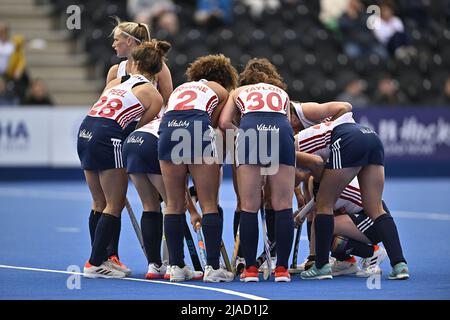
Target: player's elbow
(346,107)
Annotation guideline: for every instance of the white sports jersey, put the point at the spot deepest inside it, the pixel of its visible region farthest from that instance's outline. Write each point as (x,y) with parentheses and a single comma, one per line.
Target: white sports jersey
(193,95)
(317,139)
(350,199)
(152,127)
(262,97)
(299,111)
(119,103)
(121,72)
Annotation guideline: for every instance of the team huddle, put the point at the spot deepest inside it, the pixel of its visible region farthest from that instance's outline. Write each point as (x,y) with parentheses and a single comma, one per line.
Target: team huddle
(160,137)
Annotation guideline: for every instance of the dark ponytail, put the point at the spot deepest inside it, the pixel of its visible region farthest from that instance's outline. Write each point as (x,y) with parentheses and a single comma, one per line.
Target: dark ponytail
(150,56)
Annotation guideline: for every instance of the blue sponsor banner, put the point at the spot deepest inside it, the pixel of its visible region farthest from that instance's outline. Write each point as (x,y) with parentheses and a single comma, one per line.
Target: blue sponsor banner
(416,140)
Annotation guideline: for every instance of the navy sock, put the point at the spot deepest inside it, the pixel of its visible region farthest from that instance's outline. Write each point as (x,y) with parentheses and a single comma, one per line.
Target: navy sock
(270,222)
(103,234)
(151,226)
(249,233)
(308,229)
(93,220)
(212,226)
(284,234)
(113,246)
(174,231)
(236,220)
(387,232)
(324,227)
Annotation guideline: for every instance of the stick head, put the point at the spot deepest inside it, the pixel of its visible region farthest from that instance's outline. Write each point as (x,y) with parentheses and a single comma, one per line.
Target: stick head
(266,274)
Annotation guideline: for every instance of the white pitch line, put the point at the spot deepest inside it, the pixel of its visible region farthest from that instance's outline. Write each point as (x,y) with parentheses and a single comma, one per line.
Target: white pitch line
(421,215)
(225,291)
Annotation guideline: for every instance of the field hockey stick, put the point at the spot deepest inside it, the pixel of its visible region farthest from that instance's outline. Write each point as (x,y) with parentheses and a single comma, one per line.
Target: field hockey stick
(224,253)
(135,225)
(201,244)
(223,250)
(262,257)
(267,272)
(164,242)
(191,247)
(301,215)
(236,269)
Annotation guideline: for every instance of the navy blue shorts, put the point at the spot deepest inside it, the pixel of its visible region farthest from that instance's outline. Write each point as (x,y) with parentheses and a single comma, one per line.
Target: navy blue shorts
(130,128)
(366,225)
(353,145)
(192,134)
(99,144)
(140,153)
(265,139)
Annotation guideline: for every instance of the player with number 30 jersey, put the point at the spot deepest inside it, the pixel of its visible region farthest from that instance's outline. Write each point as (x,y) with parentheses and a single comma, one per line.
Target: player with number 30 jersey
(264,139)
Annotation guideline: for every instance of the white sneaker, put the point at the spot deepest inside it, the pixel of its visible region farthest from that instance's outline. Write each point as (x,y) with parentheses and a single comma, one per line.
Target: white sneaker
(156,272)
(273,264)
(218,275)
(371,265)
(178,274)
(119,266)
(105,270)
(340,268)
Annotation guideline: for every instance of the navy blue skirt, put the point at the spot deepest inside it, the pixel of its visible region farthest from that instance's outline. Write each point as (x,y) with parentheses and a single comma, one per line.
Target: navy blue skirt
(140,153)
(186,137)
(265,139)
(99,144)
(353,145)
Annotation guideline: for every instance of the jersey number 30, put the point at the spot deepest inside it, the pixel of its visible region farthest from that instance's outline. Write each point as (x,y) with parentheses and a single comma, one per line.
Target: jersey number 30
(273,101)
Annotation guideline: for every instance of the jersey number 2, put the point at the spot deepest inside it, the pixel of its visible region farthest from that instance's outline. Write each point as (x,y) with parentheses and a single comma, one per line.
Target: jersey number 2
(184,105)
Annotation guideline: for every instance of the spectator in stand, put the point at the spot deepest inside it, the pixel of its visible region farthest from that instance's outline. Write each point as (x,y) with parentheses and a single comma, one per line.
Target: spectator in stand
(331,11)
(444,98)
(7,97)
(158,14)
(358,40)
(213,12)
(38,94)
(354,93)
(388,93)
(390,31)
(12,60)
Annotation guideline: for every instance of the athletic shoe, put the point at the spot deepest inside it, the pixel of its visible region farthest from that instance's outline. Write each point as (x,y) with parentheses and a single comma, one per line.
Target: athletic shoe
(308,263)
(156,272)
(105,270)
(178,274)
(340,268)
(317,274)
(240,265)
(250,274)
(273,264)
(217,275)
(167,274)
(371,265)
(282,275)
(119,266)
(399,272)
